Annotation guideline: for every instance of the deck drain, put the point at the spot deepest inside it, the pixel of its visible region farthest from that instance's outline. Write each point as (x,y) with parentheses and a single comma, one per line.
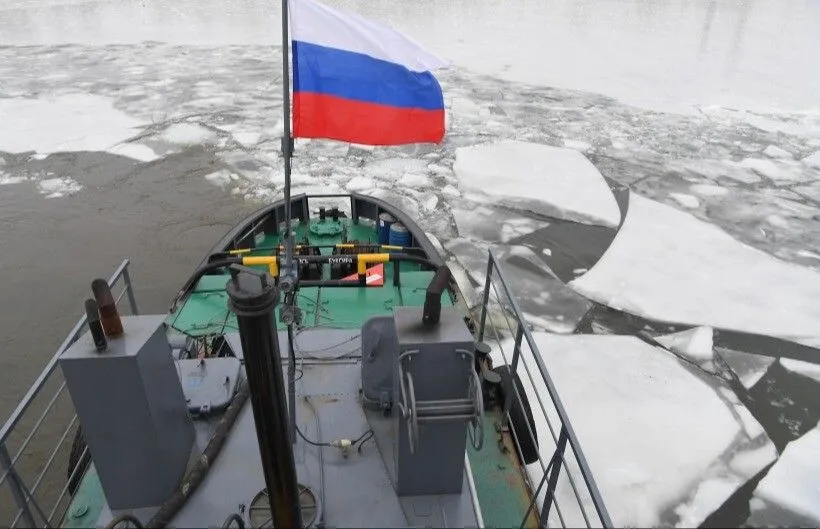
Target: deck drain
(259,514)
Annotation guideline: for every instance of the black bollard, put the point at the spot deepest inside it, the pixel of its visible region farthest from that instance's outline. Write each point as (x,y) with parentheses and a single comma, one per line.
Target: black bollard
(253,296)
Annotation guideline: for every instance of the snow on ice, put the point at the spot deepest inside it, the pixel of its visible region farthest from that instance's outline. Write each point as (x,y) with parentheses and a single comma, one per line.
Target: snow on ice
(667,265)
(74,122)
(793,483)
(807,369)
(547,180)
(695,344)
(58,187)
(656,436)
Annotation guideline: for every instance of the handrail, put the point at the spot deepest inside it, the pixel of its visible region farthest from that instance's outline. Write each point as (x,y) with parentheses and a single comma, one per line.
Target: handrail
(567,437)
(23,495)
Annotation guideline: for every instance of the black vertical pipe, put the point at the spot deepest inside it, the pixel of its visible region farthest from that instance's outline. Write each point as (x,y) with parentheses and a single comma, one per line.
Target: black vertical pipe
(253,296)
(291,385)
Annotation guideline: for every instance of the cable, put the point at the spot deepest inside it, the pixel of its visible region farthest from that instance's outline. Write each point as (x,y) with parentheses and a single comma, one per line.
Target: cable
(368,435)
(314,443)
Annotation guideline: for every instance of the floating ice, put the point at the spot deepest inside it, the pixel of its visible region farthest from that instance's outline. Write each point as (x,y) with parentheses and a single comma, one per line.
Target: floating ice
(655,435)
(555,307)
(687,201)
(748,367)
(220,178)
(709,190)
(489,224)
(76,122)
(188,134)
(9,180)
(414,180)
(807,369)
(547,180)
(794,481)
(577,145)
(812,159)
(392,169)
(450,191)
(695,344)
(58,187)
(714,169)
(781,171)
(667,265)
(361,183)
(143,153)
(709,496)
(247,139)
(773,151)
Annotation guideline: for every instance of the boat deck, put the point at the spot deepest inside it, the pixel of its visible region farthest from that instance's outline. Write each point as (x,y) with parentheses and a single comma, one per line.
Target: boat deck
(351,491)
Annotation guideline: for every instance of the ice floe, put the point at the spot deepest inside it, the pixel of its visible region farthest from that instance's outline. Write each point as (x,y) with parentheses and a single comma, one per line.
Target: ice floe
(667,265)
(58,187)
(812,159)
(550,304)
(547,180)
(659,439)
(793,483)
(779,171)
(749,368)
(73,122)
(486,223)
(139,152)
(807,369)
(188,134)
(687,201)
(773,151)
(709,190)
(695,344)
(9,180)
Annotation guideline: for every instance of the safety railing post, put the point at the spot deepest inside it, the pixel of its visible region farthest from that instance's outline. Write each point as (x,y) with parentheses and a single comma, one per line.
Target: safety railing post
(555,464)
(486,297)
(132,300)
(17,488)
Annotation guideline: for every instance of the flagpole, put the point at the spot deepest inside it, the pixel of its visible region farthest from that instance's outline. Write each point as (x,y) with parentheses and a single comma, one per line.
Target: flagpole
(289,277)
(287,141)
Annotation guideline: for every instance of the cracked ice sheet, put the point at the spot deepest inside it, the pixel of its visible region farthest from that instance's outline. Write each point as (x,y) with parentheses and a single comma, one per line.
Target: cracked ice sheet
(546,302)
(552,181)
(490,224)
(667,265)
(680,446)
(807,369)
(793,483)
(74,122)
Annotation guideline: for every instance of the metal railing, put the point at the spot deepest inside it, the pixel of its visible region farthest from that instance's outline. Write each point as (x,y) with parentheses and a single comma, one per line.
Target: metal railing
(581,502)
(29,476)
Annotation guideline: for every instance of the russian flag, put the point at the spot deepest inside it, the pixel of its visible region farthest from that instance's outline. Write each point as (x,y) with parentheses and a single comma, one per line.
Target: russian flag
(361,82)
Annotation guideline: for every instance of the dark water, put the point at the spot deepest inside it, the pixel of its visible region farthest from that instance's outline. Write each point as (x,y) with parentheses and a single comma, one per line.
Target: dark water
(162,215)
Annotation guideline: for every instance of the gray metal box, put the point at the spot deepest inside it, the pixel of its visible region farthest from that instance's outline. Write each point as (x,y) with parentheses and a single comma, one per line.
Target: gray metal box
(379,352)
(132,410)
(439,372)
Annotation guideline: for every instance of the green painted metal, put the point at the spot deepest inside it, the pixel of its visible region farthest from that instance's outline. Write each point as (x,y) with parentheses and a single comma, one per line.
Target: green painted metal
(205,311)
(87,503)
(502,493)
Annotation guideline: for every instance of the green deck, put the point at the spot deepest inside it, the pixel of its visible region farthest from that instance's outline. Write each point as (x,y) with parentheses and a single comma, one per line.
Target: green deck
(206,309)
(501,492)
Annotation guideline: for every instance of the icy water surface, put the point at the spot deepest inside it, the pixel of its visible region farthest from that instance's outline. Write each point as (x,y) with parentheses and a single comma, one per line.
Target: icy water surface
(152,150)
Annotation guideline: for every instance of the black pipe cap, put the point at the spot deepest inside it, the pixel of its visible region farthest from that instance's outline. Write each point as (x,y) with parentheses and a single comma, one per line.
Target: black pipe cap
(252,292)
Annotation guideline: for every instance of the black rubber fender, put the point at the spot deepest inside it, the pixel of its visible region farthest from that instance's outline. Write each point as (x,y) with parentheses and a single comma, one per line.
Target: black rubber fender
(519,414)
(74,459)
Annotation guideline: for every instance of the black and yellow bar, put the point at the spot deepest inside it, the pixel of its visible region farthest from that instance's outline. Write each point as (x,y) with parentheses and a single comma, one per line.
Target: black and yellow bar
(271,260)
